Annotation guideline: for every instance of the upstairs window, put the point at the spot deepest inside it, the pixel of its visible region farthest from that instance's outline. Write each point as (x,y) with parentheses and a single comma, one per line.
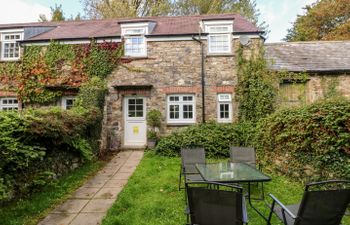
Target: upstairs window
(219,38)
(135,46)
(181,109)
(224,108)
(10,49)
(134,42)
(219,43)
(8,104)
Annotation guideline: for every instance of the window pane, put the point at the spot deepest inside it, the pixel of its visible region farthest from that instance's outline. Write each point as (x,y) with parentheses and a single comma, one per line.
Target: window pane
(139,113)
(139,107)
(139,101)
(224,111)
(174,98)
(187,98)
(174,112)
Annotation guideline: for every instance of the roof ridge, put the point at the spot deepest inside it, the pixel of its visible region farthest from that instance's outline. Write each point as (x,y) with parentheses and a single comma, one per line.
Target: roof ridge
(114,19)
(307,42)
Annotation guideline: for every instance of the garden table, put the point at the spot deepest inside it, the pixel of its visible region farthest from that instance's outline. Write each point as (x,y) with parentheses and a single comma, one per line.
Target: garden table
(228,172)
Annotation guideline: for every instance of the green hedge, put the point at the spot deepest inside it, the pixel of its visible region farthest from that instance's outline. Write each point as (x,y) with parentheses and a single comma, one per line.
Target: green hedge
(307,143)
(36,146)
(310,142)
(215,138)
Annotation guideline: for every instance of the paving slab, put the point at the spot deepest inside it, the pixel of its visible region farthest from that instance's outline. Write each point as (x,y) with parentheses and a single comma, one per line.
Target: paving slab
(85,192)
(107,193)
(98,205)
(122,176)
(61,219)
(97,183)
(71,206)
(116,183)
(89,204)
(88,219)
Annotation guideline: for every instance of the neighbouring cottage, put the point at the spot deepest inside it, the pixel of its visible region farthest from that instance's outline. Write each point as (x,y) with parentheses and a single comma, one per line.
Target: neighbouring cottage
(183,66)
(326,64)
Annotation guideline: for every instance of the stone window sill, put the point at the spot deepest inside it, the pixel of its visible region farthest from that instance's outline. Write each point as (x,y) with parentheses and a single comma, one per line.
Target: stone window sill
(219,55)
(179,124)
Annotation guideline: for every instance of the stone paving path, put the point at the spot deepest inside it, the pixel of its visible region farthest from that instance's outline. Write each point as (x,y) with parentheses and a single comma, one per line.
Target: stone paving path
(89,204)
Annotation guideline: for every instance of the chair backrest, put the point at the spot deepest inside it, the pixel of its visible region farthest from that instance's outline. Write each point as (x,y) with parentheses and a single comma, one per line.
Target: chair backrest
(191,156)
(243,154)
(215,207)
(326,207)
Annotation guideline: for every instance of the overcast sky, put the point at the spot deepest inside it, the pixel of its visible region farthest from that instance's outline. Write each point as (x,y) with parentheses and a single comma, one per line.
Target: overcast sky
(279,14)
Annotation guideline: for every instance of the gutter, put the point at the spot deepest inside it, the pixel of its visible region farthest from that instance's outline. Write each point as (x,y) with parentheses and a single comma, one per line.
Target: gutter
(202,77)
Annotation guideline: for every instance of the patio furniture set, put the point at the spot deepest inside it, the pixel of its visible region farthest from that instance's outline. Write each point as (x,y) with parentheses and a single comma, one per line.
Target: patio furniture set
(216,192)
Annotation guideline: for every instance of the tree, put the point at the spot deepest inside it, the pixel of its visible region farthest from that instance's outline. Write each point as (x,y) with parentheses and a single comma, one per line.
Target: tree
(323,20)
(56,14)
(107,9)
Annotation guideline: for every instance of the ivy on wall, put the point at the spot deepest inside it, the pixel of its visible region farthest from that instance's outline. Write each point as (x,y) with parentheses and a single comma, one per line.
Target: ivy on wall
(58,65)
(256,88)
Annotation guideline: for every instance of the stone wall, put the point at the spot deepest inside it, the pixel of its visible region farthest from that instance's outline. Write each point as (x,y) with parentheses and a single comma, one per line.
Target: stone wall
(317,87)
(171,67)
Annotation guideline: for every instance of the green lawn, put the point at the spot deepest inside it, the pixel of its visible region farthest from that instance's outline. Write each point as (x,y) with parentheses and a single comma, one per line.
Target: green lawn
(152,197)
(31,210)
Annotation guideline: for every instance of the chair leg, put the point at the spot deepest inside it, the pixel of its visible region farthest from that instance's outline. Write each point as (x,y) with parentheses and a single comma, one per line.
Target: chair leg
(180,180)
(270,214)
(262,191)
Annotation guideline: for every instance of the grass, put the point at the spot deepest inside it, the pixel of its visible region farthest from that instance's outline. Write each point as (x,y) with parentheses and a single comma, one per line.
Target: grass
(152,197)
(31,210)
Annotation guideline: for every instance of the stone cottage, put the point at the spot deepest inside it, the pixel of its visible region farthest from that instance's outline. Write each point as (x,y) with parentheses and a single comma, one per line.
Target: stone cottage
(183,66)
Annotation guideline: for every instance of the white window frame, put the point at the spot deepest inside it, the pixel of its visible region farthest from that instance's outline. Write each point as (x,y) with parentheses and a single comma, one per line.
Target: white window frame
(210,44)
(135,30)
(142,53)
(15,41)
(224,99)
(9,106)
(218,28)
(181,103)
(64,101)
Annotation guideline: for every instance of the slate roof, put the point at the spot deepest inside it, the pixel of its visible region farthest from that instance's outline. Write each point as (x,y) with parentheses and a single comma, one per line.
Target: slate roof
(316,56)
(179,25)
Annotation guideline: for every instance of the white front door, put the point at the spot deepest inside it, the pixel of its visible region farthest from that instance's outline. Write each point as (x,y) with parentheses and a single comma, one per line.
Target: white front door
(135,121)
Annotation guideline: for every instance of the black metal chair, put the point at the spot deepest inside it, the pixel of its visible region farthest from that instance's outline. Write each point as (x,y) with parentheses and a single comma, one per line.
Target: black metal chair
(222,205)
(246,155)
(324,206)
(189,158)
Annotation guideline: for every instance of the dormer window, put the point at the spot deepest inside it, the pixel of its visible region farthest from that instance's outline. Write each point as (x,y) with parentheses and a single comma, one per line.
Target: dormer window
(135,44)
(10,49)
(219,36)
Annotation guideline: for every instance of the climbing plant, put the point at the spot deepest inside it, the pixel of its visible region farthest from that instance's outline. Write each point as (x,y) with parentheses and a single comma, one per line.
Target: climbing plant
(58,65)
(256,88)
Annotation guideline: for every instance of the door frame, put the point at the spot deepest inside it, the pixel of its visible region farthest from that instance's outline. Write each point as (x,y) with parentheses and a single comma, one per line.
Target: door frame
(126,119)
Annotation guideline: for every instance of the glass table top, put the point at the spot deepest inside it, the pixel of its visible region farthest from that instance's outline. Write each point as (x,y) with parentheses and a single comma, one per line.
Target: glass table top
(230,172)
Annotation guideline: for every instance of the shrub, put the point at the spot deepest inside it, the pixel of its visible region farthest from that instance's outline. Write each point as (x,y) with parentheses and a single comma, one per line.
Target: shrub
(38,145)
(92,93)
(214,137)
(154,118)
(310,142)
